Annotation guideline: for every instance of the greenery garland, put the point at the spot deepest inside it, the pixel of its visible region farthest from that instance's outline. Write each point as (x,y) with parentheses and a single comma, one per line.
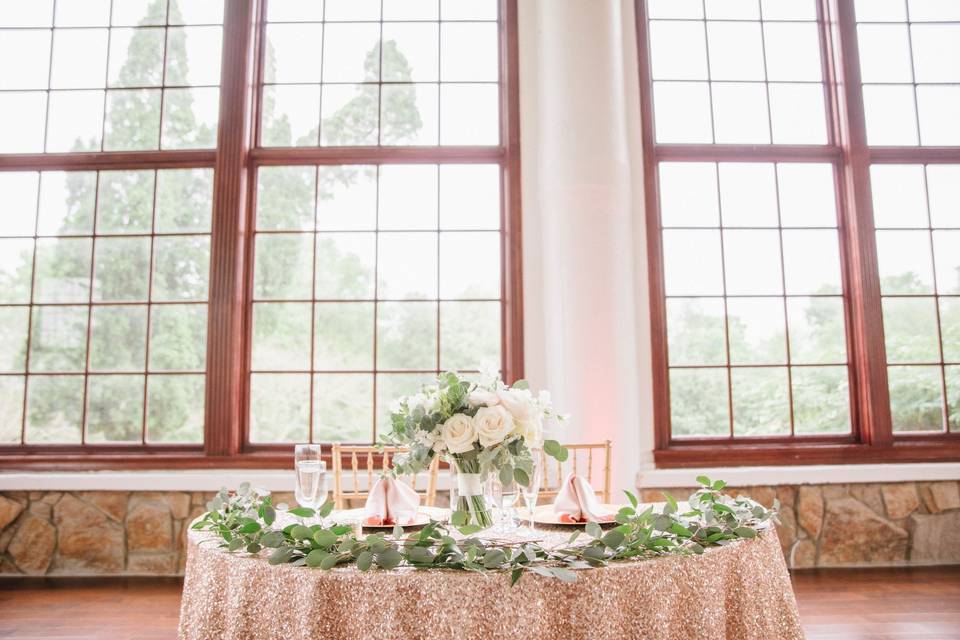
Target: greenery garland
(244,521)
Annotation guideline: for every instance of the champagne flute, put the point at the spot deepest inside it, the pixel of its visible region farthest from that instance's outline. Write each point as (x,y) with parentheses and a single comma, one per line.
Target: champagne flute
(531,489)
(311,474)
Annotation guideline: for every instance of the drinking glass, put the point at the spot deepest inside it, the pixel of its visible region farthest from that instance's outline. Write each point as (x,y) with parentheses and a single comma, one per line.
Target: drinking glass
(531,490)
(311,486)
(505,496)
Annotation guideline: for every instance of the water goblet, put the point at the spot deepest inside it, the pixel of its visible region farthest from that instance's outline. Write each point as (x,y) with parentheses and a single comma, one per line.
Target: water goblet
(311,476)
(530,490)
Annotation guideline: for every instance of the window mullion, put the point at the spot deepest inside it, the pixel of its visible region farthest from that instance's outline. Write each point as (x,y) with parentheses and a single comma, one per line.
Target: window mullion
(865,332)
(225,333)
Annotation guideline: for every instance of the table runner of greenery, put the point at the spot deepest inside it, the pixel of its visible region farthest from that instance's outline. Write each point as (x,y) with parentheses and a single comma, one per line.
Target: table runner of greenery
(244,520)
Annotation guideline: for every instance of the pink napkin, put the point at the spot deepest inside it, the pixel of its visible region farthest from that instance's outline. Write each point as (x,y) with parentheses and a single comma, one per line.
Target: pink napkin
(391,502)
(577,502)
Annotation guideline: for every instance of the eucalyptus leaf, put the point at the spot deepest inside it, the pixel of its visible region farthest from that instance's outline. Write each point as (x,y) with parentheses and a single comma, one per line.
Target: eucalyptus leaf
(302,512)
(593,530)
(364,560)
(316,557)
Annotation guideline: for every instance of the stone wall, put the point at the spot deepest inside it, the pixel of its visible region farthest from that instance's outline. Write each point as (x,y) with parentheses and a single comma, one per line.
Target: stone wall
(143,533)
(860,525)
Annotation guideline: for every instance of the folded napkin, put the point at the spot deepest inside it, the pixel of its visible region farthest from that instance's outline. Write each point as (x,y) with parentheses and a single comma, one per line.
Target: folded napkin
(391,502)
(577,502)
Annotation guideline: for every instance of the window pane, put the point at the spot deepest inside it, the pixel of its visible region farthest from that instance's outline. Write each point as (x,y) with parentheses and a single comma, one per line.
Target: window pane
(407,335)
(22,130)
(757,331)
(181,267)
(175,408)
(696,332)
(118,338)
(343,407)
(469,52)
(682,112)
(736,10)
(938,107)
(391,386)
(66,202)
(788,9)
(740,113)
(748,194)
(678,50)
(190,118)
(13,338)
(688,194)
(943,190)
(31,50)
(293,53)
(184,200)
(752,262)
(115,408)
(880,10)
(79,59)
(797,113)
(904,261)
(411,52)
(910,330)
(817,330)
(136,57)
(290,116)
(16,265)
(133,120)
(890,114)
(761,401)
(121,269)
(469,335)
(54,409)
(806,195)
(407,265)
(20,203)
(470,265)
(736,50)
(279,407)
(469,196)
(793,51)
(804,276)
(899,199)
(692,263)
(138,12)
(343,338)
(349,115)
(11,408)
(59,338)
(74,121)
(125,202)
(916,398)
(396,103)
(699,404)
(285,197)
(821,400)
(884,53)
(946,253)
(950,328)
(62,270)
(281,337)
(346,198)
(408,197)
(283,266)
(178,337)
(345,266)
(469,114)
(936,52)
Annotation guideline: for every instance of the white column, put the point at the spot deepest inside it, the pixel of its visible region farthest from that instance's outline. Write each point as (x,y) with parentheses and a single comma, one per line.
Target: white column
(586,323)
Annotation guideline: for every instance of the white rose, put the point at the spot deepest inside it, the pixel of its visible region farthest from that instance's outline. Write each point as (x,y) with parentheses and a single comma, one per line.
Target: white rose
(493,424)
(518,401)
(459,433)
(482,398)
(531,431)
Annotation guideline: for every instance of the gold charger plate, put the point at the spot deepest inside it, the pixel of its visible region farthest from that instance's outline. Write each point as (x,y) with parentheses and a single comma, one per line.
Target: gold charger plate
(544,514)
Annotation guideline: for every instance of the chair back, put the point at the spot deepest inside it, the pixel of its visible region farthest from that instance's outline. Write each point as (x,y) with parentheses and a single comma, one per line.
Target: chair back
(359,463)
(581,461)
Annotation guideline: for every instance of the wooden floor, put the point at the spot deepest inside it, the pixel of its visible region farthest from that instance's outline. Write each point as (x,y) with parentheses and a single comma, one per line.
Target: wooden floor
(881,604)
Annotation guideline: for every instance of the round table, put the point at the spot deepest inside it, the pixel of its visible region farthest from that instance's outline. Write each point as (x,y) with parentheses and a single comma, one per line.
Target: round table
(740,591)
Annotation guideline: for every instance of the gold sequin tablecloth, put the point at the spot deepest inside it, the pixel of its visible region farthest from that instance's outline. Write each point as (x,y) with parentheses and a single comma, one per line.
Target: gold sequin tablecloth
(741,591)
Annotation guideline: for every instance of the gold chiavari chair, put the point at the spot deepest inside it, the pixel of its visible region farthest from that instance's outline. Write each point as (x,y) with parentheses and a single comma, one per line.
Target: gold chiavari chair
(363,472)
(580,462)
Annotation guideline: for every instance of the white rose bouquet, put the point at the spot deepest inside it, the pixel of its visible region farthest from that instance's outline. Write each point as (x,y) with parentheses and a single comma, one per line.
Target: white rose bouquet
(479,428)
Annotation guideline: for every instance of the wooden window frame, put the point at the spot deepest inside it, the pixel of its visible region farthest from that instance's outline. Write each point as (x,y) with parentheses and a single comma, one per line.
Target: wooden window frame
(871,439)
(235,161)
